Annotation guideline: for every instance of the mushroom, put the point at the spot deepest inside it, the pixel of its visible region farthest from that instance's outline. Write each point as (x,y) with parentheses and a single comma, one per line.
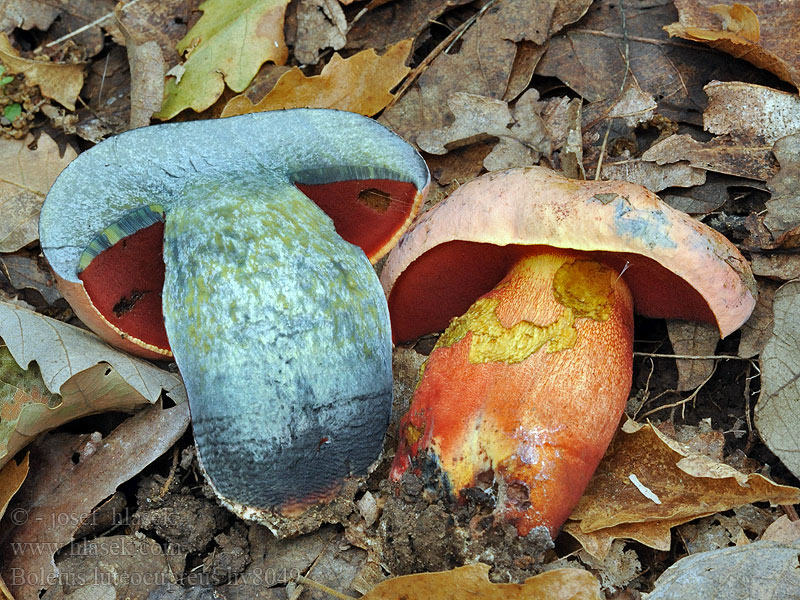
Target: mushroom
(537,276)
(277,323)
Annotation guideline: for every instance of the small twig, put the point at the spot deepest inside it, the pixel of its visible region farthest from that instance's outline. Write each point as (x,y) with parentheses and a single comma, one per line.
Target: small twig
(790,512)
(682,403)
(173,469)
(443,46)
(323,588)
(691,356)
(94,23)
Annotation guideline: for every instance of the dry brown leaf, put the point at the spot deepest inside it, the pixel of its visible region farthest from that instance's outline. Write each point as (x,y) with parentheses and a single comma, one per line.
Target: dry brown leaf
(472,581)
(321,24)
(358,84)
(777,414)
(483,63)
(647,484)
(696,339)
(653,176)
(761,32)
(25,180)
(89,376)
(71,475)
(11,478)
(147,75)
(27,14)
(783,530)
(59,81)
(27,272)
(722,154)
(758,328)
(783,208)
(783,267)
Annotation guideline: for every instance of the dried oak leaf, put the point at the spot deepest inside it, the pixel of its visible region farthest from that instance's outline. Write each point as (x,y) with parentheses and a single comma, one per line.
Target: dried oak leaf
(226,46)
(357,84)
(653,176)
(777,414)
(756,571)
(71,475)
(11,478)
(88,375)
(758,328)
(61,82)
(25,180)
(25,272)
(647,483)
(472,581)
(522,136)
(783,208)
(483,63)
(783,530)
(320,24)
(27,14)
(761,33)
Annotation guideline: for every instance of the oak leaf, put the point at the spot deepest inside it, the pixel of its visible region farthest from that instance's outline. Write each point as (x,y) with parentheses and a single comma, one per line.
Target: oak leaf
(648,483)
(61,82)
(25,179)
(76,374)
(357,84)
(228,45)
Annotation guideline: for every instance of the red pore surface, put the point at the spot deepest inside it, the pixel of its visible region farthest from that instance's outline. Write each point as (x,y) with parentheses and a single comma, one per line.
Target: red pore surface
(443,282)
(124,283)
(368,213)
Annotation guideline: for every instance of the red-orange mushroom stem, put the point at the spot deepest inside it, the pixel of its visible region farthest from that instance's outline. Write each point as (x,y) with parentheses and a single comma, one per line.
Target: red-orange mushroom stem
(524,391)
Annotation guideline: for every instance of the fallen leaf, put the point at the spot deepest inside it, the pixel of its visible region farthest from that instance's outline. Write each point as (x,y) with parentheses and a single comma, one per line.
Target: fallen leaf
(758,328)
(757,571)
(89,375)
(750,111)
(227,45)
(358,84)
(320,24)
(617,569)
(473,581)
(147,75)
(522,136)
(783,530)
(26,178)
(777,414)
(483,63)
(761,32)
(27,15)
(590,58)
(783,208)
(696,339)
(71,475)
(783,267)
(27,272)
(722,154)
(60,81)
(11,478)
(687,486)
(162,21)
(710,196)
(653,176)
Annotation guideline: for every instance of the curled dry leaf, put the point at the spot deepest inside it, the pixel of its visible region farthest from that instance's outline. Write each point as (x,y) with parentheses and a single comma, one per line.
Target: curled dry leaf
(777,414)
(653,176)
(783,208)
(226,46)
(473,582)
(761,33)
(11,478)
(71,475)
(357,84)
(27,14)
(758,328)
(25,272)
(757,571)
(59,81)
(24,181)
(642,466)
(783,530)
(88,375)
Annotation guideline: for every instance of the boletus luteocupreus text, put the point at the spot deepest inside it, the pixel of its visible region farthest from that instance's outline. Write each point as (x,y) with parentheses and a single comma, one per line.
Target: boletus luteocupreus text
(201,240)
(534,278)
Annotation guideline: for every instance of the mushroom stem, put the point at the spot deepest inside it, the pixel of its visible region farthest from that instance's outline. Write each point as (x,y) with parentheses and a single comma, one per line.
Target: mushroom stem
(526,389)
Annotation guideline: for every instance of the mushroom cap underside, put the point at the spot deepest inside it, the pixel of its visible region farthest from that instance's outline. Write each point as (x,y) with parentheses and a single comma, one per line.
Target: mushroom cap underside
(675,266)
(367,179)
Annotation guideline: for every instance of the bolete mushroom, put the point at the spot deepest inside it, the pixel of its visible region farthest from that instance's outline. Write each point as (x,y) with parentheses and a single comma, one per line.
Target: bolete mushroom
(539,274)
(277,322)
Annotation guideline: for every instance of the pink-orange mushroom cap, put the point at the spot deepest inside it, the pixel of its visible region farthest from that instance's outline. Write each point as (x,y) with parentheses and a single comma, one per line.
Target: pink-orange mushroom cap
(527,387)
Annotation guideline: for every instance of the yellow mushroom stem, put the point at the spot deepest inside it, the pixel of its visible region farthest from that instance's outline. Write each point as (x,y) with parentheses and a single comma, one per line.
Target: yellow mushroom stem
(526,389)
